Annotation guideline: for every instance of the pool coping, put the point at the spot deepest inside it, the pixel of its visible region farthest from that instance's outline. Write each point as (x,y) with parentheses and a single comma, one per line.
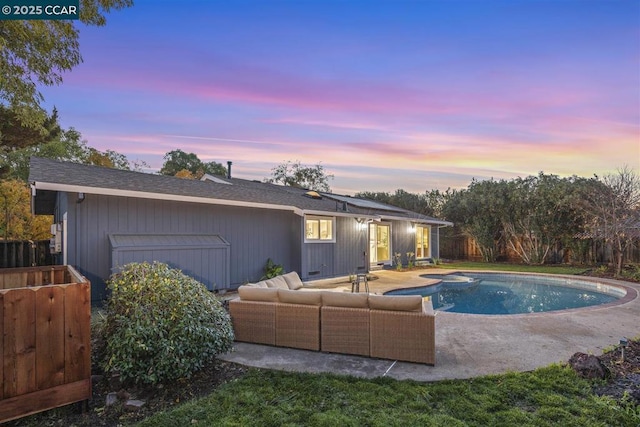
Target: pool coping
(630,292)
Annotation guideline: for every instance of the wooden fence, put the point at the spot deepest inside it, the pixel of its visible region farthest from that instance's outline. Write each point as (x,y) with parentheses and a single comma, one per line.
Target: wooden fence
(25,253)
(457,247)
(45,321)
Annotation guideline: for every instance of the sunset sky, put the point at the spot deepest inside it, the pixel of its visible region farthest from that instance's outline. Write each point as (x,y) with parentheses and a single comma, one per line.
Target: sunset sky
(417,95)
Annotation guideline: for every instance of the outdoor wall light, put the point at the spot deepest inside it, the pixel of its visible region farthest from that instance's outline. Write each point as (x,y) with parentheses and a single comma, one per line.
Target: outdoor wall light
(623,344)
(362,223)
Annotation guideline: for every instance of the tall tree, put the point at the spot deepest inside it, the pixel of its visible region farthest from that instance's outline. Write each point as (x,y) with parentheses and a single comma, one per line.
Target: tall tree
(478,211)
(68,146)
(430,203)
(188,165)
(16,221)
(614,211)
(37,52)
(295,174)
(14,136)
(109,159)
(543,212)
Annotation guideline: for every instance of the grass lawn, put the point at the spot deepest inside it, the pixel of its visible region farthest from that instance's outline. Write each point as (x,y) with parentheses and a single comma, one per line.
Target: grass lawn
(552,269)
(550,396)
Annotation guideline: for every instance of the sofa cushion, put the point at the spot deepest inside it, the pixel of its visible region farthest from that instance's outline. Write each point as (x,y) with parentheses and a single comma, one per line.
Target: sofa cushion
(293,280)
(427,306)
(252,293)
(295,297)
(260,284)
(345,299)
(395,302)
(277,282)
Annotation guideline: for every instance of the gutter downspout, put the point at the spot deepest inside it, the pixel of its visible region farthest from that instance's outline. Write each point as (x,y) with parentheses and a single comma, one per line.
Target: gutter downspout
(64,239)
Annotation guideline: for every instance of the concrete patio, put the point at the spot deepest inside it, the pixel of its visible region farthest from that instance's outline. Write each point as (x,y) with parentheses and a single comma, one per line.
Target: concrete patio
(468,345)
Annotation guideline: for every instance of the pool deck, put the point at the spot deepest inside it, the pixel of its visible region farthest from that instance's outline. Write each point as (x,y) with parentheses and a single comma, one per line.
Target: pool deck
(468,345)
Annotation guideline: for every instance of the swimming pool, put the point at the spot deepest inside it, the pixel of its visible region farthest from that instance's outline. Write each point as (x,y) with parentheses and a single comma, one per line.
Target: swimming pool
(500,293)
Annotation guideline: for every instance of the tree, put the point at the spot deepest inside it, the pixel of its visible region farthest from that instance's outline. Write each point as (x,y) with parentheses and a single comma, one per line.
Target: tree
(295,174)
(14,136)
(613,206)
(68,146)
(37,52)
(478,211)
(213,168)
(109,159)
(430,203)
(543,213)
(188,165)
(16,221)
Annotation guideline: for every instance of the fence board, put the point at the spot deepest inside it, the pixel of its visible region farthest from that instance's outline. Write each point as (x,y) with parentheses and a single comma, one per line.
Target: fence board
(20,340)
(42,400)
(13,280)
(50,364)
(2,341)
(78,332)
(45,338)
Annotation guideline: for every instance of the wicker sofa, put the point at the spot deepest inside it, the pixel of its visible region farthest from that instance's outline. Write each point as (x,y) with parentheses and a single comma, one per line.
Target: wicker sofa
(276,312)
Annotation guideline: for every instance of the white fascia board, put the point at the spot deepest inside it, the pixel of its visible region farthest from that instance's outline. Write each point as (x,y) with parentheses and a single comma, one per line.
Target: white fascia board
(338,213)
(159,196)
(419,220)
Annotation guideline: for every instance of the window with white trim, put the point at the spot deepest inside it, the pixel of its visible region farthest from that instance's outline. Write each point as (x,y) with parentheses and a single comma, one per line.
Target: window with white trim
(319,229)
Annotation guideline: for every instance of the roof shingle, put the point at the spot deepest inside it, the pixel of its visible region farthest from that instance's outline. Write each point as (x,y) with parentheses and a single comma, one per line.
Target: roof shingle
(92,179)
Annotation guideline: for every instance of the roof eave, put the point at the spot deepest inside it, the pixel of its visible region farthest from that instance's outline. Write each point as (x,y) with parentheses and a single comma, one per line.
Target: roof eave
(431,221)
(159,196)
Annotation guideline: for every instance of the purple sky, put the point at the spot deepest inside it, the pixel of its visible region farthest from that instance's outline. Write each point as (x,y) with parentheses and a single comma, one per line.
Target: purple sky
(415,95)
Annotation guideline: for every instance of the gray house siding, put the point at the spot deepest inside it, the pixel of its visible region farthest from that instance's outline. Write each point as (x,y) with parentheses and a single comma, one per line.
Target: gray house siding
(351,247)
(319,260)
(253,234)
(402,240)
(435,242)
(347,255)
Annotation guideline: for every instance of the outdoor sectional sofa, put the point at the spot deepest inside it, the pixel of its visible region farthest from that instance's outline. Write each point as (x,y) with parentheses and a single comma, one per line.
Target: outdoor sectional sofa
(276,312)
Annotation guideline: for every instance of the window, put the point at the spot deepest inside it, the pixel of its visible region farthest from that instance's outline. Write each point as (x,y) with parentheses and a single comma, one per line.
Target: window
(422,241)
(319,229)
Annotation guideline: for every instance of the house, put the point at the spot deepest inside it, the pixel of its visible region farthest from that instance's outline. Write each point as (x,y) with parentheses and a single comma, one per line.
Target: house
(220,230)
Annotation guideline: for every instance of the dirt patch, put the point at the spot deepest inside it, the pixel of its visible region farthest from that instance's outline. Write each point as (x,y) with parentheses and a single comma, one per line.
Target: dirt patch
(154,398)
(624,373)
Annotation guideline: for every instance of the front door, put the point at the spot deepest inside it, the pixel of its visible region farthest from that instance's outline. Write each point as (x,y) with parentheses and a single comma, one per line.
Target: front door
(379,244)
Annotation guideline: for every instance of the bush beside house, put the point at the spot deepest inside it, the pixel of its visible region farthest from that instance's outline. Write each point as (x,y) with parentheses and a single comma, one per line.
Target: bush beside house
(161,325)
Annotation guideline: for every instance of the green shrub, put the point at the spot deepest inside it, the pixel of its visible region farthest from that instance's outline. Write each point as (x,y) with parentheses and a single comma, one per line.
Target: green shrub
(271,270)
(632,272)
(162,325)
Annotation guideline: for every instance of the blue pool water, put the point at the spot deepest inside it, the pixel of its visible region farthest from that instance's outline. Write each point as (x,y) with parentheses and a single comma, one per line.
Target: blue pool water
(498,293)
